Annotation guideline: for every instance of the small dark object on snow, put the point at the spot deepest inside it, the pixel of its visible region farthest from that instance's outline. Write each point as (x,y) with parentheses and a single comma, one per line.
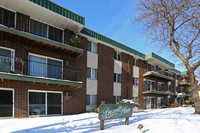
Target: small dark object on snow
(140,126)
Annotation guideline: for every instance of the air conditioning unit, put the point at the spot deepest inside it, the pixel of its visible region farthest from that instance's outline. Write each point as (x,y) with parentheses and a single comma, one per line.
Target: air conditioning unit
(68,94)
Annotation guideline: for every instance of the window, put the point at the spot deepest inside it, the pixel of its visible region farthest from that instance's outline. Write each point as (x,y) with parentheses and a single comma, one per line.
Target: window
(45,67)
(117,77)
(135,62)
(91,100)
(38,28)
(135,81)
(151,85)
(7,18)
(6,60)
(55,34)
(117,55)
(182,89)
(116,99)
(160,86)
(92,47)
(160,102)
(169,87)
(151,67)
(91,73)
(135,99)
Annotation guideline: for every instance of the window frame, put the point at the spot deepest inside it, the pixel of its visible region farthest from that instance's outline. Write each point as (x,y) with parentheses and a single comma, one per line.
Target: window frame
(92,44)
(160,84)
(10,10)
(116,77)
(91,98)
(46,109)
(135,62)
(135,81)
(117,55)
(91,73)
(46,58)
(12,57)
(117,99)
(151,85)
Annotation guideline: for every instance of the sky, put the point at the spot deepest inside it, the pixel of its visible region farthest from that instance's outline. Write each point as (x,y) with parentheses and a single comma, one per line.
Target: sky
(114,19)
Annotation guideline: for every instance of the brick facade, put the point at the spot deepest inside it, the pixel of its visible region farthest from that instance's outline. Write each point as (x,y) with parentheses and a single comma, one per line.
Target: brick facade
(105,74)
(127,76)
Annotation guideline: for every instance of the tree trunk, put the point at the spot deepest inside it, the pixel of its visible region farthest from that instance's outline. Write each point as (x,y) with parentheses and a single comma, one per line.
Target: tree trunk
(195,94)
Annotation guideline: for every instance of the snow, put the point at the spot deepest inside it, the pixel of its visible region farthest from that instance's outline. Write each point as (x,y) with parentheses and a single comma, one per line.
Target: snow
(169,120)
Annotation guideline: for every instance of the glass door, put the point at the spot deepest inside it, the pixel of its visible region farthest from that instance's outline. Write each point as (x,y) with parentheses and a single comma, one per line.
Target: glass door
(6,103)
(54,104)
(37,103)
(150,102)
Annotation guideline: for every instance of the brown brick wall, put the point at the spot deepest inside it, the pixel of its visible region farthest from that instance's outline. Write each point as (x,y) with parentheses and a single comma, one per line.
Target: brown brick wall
(127,76)
(105,74)
(143,67)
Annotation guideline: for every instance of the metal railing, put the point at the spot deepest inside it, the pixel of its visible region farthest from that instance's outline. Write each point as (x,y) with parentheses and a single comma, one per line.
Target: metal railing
(38,69)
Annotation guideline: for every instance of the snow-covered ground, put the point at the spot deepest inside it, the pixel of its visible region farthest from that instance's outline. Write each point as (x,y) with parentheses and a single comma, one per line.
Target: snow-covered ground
(171,120)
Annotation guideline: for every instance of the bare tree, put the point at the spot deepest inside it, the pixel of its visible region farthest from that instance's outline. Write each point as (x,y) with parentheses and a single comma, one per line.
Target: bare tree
(176,25)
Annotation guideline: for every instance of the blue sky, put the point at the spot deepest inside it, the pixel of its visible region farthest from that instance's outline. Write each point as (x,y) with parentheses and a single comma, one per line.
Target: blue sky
(113,18)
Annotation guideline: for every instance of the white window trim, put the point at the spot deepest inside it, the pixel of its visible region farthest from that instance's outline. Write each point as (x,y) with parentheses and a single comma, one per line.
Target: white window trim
(13,100)
(135,60)
(117,52)
(151,87)
(135,80)
(47,57)
(92,45)
(120,78)
(91,73)
(90,95)
(160,84)
(43,91)
(12,57)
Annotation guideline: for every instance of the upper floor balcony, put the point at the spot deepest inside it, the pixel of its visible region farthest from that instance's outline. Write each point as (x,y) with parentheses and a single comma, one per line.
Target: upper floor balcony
(157,89)
(39,70)
(158,75)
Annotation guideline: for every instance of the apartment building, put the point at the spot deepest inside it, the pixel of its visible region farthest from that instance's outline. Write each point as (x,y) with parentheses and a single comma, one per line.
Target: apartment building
(43,72)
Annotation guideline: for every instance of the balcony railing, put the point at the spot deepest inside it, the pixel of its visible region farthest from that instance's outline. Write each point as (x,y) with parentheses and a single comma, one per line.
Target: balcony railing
(20,66)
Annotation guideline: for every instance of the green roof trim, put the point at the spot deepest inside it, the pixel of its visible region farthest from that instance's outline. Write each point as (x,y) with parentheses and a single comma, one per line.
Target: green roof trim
(153,55)
(176,71)
(151,73)
(105,39)
(38,79)
(60,10)
(158,92)
(40,39)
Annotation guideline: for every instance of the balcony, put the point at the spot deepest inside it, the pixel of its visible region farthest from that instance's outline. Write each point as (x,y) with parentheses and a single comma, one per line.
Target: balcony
(6,31)
(154,92)
(157,75)
(184,83)
(32,71)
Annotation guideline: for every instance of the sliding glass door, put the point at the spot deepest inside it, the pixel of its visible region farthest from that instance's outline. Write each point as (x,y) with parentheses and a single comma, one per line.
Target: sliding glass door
(6,103)
(37,103)
(53,103)
(150,102)
(45,67)
(45,103)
